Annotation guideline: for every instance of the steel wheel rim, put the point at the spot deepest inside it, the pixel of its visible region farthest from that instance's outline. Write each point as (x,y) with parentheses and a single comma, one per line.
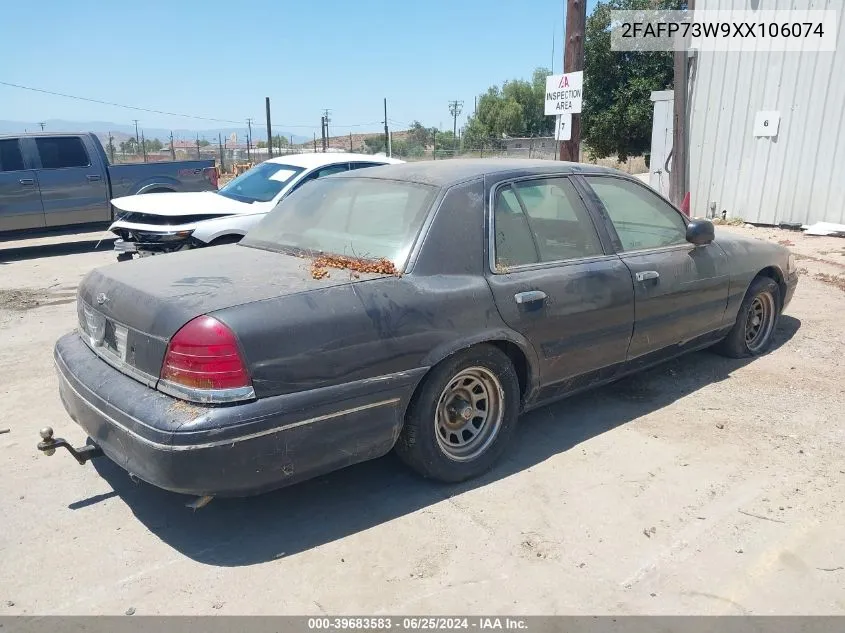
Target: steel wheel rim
(469,414)
(759,322)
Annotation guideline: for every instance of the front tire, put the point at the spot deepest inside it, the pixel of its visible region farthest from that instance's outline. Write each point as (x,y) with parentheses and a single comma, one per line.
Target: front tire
(753,332)
(462,416)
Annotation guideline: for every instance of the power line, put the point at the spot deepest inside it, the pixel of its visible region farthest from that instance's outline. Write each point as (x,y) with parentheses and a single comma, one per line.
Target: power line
(164,112)
(117,105)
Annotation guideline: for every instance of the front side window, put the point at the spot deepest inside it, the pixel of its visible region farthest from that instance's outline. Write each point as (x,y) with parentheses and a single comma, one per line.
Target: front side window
(332,169)
(11,158)
(357,217)
(641,218)
(262,183)
(62,151)
(542,221)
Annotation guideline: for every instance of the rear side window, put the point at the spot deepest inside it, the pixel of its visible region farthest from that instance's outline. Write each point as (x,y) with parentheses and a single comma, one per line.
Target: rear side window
(363,165)
(11,158)
(542,221)
(60,152)
(559,220)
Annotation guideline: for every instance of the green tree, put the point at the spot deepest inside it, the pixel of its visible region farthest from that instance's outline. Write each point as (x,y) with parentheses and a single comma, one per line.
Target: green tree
(514,110)
(153,145)
(204,142)
(618,112)
(446,144)
(258,144)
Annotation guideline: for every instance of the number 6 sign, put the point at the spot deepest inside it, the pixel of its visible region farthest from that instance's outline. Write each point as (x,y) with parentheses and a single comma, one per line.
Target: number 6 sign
(766,123)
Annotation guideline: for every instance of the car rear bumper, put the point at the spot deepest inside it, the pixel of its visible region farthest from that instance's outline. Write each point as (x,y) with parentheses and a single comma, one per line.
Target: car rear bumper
(231,450)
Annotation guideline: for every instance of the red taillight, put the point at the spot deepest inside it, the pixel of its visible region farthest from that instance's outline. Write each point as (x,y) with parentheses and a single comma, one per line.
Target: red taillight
(211,176)
(204,355)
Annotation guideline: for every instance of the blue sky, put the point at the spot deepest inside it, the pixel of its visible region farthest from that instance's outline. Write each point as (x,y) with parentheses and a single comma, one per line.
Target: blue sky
(219,59)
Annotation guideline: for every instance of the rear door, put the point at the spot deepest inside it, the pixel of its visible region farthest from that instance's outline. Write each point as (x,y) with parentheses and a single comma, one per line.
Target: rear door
(20,200)
(681,290)
(555,281)
(72,181)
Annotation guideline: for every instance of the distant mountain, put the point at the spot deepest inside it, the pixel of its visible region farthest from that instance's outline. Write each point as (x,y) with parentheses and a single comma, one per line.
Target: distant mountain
(121,132)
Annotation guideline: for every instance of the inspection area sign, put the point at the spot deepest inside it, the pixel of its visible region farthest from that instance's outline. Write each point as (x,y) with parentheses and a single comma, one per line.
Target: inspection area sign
(564,92)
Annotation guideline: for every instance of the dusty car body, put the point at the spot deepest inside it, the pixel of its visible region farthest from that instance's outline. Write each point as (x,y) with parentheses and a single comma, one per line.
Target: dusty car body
(516,283)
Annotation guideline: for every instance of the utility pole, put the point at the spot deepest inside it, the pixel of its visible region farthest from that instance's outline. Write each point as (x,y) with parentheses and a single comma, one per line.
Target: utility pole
(144,146)
(111,146)
(573,61)
(350,142)
(326,113)
(43,123)
(678,180)
(220,146)
(386,133)
(198,146)
(455,108)
(172,148)
(137,139)
(269,128)
(323,133)
(249,141)
(315,142)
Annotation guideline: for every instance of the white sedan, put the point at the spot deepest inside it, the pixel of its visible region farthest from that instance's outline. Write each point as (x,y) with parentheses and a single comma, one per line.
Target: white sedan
(157,223)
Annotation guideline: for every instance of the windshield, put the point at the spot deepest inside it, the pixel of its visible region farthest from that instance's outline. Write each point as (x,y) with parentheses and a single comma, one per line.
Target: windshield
(357,217)
(262,183)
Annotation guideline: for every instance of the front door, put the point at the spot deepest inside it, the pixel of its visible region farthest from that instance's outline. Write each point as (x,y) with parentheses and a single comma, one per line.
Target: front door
(554,283)
(73,190)
(681,290)
(20,200)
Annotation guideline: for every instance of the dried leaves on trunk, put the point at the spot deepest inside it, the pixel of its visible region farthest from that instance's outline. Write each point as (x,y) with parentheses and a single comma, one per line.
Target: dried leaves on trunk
(320,265)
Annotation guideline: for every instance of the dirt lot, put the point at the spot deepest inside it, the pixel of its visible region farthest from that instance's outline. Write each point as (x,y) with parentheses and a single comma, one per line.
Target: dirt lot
(703,486)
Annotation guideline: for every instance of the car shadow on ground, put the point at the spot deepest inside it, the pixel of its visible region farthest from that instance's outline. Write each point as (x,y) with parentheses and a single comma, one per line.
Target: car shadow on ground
(236,532)
(20,253)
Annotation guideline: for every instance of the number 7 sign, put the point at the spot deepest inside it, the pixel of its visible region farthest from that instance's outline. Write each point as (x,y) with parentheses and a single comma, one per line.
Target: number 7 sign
(563,127)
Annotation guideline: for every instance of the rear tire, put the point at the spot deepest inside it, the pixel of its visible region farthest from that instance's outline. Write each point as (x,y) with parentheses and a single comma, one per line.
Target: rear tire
(753,332)
(462,416)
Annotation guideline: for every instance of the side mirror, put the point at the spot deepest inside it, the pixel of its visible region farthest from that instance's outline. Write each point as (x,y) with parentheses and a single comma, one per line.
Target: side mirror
(700,232)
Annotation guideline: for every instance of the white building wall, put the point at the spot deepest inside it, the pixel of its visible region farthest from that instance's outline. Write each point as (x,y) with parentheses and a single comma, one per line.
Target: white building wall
(797,176)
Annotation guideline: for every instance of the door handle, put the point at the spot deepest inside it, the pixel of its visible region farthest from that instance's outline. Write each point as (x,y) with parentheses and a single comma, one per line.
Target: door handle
(647,274)
(27,182)
(529,297)
(93,177)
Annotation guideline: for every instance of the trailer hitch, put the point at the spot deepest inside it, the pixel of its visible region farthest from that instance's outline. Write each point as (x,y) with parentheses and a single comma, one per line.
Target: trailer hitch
(49,444)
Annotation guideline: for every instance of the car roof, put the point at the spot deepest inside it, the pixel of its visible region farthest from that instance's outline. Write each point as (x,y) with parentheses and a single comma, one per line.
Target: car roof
(319,159)
(444,173)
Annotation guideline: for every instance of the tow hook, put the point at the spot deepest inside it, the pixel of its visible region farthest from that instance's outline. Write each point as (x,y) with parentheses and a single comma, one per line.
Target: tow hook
(49,444)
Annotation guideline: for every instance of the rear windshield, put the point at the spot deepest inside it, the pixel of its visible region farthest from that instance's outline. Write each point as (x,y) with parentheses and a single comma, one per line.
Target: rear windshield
(262,183)
(357,217)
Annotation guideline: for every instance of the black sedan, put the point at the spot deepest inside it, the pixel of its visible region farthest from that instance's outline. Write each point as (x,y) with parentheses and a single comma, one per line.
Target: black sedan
(418,308)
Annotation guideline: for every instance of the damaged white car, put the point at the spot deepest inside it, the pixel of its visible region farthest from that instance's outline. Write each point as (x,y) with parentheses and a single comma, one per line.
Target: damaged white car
(154,224)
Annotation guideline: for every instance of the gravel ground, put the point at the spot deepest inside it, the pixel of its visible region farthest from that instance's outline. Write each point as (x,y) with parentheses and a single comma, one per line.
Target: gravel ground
(705,486)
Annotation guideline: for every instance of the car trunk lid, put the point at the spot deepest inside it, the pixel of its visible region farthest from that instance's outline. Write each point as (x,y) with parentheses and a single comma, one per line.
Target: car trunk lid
(129,311)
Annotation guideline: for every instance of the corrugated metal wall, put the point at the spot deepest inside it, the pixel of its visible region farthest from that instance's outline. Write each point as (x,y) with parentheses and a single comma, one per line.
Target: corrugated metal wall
(797,176)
